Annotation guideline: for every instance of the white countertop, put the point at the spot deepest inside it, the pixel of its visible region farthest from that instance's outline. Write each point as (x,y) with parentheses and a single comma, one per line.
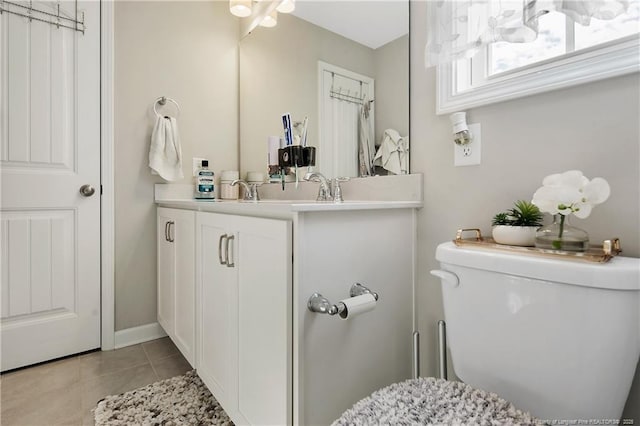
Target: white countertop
(398,192)
(280,208)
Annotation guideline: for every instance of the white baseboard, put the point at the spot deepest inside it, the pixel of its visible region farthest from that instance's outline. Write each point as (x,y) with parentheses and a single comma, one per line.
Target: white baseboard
(140,334)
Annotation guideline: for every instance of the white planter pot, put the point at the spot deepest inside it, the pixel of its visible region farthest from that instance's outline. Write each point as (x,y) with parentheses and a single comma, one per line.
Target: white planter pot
(515,235)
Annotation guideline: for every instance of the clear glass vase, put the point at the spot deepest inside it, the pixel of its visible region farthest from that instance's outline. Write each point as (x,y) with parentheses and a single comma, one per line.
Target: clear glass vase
(560,235)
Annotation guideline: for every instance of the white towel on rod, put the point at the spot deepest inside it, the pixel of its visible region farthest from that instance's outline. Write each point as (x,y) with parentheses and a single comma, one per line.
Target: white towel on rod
(392,153)
(165,153)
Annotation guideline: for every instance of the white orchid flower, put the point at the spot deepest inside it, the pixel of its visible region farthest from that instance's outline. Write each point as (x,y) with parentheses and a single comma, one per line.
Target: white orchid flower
(570,192)
(572,178)
(551,199)
(597,191)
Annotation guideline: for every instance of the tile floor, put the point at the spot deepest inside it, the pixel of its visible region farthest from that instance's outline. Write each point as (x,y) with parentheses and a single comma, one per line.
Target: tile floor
(64,392)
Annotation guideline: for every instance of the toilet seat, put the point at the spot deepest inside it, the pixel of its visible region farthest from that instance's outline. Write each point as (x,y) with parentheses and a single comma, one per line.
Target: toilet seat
(428,400)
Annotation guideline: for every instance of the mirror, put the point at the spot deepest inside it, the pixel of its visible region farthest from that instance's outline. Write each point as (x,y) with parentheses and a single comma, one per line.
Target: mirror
(345,66)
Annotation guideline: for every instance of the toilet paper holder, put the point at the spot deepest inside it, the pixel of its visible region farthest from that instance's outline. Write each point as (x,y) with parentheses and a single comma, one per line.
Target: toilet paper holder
(319,304)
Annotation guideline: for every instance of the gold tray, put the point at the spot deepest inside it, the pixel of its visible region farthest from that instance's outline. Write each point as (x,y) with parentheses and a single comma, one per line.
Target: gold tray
(600,254)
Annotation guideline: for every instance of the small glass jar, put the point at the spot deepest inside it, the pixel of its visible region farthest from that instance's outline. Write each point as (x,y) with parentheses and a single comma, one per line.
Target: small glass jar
(228,192)
(255,177)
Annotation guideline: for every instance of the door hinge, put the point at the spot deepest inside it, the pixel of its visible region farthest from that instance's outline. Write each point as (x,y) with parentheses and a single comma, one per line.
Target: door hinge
(100,189)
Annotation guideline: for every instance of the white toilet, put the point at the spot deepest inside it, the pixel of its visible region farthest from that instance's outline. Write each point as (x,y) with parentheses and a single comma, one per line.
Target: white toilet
(558,338)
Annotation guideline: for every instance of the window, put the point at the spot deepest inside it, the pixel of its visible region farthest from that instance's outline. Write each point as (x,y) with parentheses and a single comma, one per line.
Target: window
(565,53)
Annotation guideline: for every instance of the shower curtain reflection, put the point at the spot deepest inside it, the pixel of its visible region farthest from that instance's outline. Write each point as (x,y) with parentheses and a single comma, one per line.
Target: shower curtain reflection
(345,133)
(346,145)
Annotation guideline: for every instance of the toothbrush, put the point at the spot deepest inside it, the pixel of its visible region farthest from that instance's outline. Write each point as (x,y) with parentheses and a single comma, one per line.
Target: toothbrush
(288,133)
(304,131)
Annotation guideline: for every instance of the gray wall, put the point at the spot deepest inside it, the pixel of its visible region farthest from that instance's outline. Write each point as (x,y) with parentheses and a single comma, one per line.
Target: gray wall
(392,92)
(186,51)
(593,128)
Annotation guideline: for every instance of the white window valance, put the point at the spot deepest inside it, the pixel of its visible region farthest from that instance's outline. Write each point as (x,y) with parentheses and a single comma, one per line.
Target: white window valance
(460,28)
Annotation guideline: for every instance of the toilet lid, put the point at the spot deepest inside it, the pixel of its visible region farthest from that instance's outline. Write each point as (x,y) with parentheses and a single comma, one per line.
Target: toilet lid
(426,401)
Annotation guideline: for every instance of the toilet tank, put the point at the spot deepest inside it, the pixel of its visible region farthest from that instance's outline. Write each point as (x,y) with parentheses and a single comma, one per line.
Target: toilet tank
(558,338)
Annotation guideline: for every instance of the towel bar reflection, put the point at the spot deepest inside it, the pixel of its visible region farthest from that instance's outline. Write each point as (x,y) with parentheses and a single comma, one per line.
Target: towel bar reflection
(338,94)
(319,304)
(162,101)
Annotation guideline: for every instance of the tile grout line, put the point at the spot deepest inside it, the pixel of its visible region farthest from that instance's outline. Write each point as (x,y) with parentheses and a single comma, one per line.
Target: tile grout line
(177,354)
(146,354)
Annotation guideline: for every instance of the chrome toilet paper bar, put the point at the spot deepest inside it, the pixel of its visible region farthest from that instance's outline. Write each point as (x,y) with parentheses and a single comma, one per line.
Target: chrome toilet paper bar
(319,304)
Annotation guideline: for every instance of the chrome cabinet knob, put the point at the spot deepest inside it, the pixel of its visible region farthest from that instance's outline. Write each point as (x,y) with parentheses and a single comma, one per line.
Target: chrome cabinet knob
(87,190)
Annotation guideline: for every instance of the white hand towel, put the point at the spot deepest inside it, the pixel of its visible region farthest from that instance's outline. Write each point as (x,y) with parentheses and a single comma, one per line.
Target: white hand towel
(392,154)
(165,153)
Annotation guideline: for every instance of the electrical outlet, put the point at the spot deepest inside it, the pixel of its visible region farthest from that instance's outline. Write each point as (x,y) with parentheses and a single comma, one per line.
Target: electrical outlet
(197,162)
(469,154)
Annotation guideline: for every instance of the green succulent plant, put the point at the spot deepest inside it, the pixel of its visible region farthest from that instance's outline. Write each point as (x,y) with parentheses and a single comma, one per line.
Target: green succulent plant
(523,214)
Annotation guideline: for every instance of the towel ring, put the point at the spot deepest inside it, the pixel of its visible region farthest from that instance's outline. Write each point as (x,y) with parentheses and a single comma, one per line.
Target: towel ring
(163,101)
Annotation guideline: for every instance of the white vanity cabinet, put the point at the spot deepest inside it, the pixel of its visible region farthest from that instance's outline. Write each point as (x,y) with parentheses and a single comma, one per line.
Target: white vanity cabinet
(263,354)
(244,315)
(176,282)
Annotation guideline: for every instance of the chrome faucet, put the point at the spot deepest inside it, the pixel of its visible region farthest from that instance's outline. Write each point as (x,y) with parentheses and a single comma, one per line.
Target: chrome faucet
(337,190)
(324,192)
(250,190)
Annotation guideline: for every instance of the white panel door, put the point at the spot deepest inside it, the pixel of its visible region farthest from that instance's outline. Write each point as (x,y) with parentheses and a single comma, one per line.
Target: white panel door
(49,148)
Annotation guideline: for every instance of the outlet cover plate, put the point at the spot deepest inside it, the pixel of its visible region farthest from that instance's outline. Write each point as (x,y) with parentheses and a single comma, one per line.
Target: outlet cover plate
(469,154)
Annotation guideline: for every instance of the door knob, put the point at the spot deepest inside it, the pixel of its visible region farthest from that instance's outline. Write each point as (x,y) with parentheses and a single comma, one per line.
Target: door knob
(87,190)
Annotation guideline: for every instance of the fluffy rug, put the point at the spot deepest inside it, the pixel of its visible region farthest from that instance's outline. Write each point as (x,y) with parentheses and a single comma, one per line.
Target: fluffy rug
(430,401)
(181,400)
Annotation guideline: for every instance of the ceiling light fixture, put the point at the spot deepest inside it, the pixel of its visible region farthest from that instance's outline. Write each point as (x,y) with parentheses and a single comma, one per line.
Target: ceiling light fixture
(240,8)
(271,20)
(287,6)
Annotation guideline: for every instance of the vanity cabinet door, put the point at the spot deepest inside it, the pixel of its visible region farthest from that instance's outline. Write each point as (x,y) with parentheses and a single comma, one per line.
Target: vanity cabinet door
(176,281)
(245,315)
(217,311)
(166,271)
(264,265)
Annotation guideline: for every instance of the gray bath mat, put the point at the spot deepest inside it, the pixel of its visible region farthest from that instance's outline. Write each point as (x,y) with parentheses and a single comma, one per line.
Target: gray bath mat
(429,401)
(181,400)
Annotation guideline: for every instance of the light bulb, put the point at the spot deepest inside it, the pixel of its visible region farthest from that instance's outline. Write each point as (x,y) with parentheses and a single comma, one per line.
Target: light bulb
(271,20)
(461,135)
(287,6)
(240,8)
